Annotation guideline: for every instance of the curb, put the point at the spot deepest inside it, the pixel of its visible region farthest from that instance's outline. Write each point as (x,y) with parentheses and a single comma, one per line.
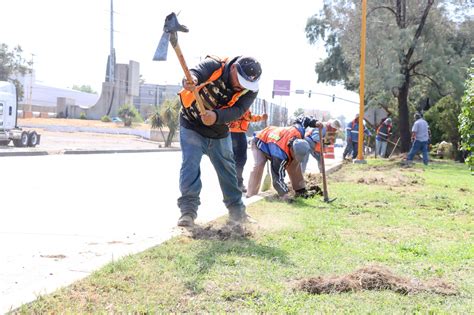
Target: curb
(79,151)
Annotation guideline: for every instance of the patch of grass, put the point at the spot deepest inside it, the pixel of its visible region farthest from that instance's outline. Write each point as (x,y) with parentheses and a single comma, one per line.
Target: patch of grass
(418,224)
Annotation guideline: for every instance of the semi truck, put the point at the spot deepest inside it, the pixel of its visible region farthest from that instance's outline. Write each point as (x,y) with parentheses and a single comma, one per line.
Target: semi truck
(9,130)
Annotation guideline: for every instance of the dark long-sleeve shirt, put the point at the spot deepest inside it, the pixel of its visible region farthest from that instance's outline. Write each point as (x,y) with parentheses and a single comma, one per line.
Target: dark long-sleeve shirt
(216,96)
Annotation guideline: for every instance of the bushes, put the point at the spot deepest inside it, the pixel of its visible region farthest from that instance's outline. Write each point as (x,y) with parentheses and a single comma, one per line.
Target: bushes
(105,118)
(128,113)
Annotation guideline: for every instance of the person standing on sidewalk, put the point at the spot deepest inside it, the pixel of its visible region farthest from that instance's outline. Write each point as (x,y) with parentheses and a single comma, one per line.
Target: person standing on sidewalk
(420,136)
(383,133)
(228,87)
(238,128)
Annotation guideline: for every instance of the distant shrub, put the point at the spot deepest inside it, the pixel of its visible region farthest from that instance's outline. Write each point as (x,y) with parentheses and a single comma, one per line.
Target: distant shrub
(106,118)
(82,116)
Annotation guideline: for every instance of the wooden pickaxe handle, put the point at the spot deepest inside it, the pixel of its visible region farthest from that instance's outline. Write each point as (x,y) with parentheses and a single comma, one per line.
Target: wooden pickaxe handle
(189,78)
(323,168)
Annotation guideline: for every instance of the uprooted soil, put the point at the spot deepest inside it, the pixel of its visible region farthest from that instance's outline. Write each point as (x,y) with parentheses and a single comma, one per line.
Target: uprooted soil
(385,175)
(222,233)
(373,278)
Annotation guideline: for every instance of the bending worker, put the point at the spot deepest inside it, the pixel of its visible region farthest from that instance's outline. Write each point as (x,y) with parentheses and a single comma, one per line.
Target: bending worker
(285,148)
(238,128)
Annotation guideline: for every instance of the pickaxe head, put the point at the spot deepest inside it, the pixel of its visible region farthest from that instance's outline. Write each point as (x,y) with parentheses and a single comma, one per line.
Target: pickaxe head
(170,30)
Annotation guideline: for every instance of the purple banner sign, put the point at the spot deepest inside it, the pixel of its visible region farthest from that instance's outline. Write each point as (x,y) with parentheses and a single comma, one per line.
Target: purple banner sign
(281,87)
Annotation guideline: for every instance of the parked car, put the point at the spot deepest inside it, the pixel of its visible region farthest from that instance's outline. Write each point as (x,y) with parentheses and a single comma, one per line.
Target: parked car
(116,119)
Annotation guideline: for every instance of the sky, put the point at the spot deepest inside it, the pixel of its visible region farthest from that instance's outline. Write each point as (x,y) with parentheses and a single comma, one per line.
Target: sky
(69,41)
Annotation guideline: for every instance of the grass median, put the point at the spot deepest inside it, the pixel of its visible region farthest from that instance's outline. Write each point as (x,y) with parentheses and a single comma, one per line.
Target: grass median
(409,230)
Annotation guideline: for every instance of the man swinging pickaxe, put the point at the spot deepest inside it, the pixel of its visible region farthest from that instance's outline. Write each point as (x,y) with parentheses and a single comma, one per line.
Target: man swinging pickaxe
(170,35)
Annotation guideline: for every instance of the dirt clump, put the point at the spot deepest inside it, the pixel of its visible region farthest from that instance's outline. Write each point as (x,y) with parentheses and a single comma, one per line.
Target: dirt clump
(222,233)
(373,278)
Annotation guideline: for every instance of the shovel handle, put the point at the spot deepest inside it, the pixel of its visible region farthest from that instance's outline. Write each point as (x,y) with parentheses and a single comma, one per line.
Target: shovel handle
(323,168)
(189,78)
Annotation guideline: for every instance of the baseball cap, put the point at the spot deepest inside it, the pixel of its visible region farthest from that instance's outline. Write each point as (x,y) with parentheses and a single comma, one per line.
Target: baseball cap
(248,72)
(300,149)
(388,121)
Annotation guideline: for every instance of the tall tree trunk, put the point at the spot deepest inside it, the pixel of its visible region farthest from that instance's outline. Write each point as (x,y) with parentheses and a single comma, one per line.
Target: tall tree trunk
(405,135)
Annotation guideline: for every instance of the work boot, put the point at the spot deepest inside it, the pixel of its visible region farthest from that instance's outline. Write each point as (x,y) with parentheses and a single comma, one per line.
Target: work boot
(239,219)
(186,220)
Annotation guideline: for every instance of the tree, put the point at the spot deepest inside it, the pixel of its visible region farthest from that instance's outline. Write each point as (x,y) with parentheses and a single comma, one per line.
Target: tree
(84,88)
(12,66)
(128,113)
(412,46)
(167,115)
(439,118)
(466,120)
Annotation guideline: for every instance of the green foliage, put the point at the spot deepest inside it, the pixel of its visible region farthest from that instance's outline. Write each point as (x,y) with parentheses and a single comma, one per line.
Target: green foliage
(415,50)
(442,117)
(82,115)
(106,118)
(13,64)
(167,116)
(128,113)
(466,120)
(84,88)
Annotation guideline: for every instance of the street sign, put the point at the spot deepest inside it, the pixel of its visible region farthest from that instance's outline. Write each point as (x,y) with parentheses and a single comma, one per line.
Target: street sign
(281,87)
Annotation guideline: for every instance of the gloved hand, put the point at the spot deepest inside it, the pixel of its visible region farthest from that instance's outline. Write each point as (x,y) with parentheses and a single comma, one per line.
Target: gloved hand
(303,193)
(306,121)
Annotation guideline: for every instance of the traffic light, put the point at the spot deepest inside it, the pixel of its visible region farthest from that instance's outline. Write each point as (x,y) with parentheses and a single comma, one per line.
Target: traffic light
(309,93)
(333,97)
(273,94)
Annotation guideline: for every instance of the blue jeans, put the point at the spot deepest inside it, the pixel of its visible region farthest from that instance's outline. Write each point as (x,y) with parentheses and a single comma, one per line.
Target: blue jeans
(380,147)
(193,146)
(239,146)
(417,147)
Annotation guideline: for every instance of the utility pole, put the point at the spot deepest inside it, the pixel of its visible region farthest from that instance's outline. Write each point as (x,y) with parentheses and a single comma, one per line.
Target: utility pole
(30,96)
(111,70)
(360,152)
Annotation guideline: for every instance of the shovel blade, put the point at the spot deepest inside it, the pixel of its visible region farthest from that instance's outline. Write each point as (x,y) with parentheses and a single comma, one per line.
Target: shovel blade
(161,53)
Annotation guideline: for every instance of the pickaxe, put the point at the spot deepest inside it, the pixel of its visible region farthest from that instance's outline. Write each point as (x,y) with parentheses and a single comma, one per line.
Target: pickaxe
(323,168)
(170,35)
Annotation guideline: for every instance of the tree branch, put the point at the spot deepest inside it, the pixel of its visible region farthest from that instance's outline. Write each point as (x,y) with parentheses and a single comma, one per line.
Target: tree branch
(411,50)
(413,65)
(383,7)
(432,81)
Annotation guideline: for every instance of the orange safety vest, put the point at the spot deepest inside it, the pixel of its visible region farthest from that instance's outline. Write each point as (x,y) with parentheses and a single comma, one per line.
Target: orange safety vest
(281,136)
(188,98)
(242,124)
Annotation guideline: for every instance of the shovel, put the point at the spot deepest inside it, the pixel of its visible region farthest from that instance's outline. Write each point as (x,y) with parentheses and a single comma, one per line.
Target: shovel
(323,168)
(170,35)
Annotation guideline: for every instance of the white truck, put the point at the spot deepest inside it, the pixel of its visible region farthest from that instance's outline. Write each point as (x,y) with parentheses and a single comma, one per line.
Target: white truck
(8,120)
